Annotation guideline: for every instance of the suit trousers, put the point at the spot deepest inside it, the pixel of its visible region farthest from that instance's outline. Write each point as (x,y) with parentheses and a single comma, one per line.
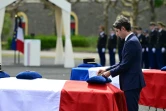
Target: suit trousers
(132,98)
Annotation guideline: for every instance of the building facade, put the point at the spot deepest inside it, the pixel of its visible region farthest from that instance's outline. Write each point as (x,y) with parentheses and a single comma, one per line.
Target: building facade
(85,18)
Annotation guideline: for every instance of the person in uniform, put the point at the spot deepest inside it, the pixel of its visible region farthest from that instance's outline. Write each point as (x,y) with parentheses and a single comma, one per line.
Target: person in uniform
(142,40)
(112,42)
(146,34)
(152,43)
(101,45)
(160,45)
(164,54)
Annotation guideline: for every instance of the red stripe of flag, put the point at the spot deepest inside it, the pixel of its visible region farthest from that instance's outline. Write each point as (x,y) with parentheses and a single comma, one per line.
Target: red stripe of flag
(20,46)
(20,40)
(81,96)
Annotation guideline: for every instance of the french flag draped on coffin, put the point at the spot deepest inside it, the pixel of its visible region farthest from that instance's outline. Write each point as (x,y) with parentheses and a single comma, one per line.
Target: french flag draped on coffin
(58,95)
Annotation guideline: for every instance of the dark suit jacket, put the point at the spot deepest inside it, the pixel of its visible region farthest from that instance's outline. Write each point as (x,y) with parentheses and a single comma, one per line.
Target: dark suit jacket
(129,69)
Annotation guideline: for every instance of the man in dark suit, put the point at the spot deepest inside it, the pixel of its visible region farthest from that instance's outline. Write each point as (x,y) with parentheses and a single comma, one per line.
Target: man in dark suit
(112,42)
(129,69)
(101,45)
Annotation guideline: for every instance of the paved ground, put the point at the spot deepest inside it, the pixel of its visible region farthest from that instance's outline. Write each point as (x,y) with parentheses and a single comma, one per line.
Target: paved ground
(48,69)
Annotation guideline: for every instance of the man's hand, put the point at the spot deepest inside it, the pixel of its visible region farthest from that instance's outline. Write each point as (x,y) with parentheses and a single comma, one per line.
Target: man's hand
(106,74)
(101,71)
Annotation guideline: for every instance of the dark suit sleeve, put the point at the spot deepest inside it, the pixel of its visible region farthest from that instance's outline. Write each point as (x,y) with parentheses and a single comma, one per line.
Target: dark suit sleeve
(111,67)
(127,59)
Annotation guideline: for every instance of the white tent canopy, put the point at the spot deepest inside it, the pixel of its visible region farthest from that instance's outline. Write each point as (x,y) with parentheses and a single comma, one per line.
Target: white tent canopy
(62,17)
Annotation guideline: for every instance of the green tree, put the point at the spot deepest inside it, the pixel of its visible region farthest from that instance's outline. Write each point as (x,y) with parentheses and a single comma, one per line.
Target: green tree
(11,11)
(153,4)
(6,26)
(106,6)
(133,5)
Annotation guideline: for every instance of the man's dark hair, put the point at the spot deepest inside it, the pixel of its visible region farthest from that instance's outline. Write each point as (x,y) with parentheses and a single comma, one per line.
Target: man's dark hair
(122,22)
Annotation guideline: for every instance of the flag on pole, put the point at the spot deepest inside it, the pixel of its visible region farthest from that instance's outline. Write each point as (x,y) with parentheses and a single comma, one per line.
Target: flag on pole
(20,37)
(14,39)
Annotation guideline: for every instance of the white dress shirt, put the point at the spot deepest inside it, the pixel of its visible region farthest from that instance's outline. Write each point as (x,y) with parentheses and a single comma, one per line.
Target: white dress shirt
(128,36)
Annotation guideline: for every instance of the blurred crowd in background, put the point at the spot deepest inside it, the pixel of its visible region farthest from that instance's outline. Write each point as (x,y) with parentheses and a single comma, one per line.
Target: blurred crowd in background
(152,39)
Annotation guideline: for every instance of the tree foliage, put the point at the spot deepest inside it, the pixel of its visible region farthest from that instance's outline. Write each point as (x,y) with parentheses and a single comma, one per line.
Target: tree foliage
(153,4)
(133,5)
(6,26)
(158,3)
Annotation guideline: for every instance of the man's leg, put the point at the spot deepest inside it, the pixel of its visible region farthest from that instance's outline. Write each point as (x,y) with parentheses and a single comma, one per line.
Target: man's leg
(112,57)
(103,59)
(152,59)
(146,60)
(132,98)
(100,55)
(143,59)
(159,57)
